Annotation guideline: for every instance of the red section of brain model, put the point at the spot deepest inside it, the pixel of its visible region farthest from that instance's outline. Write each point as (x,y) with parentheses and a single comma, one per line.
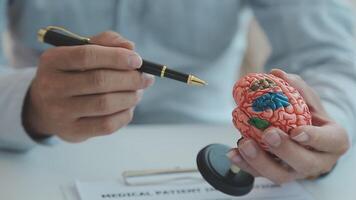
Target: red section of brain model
(264,100)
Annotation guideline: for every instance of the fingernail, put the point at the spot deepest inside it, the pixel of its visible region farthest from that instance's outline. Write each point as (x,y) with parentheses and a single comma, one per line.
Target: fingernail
(135,61)
(272,138)
(150,79)
(274,69)
(234,157)
(131,43)
(238,141)
(249,149)
(302,137)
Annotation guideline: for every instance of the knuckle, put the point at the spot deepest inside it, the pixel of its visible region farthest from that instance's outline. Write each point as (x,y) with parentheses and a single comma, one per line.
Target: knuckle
(103,103)
(108,126)
(315,138)
(81,52)
(119,56)
(46,55)
(86,55)
(138,80)
(98,79)
(51,52)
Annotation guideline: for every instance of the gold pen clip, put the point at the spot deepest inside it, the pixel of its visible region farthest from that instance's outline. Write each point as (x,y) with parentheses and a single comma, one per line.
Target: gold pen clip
(42,32)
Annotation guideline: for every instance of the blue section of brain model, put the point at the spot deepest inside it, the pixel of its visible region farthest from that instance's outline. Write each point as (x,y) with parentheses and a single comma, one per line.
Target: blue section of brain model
(271,100)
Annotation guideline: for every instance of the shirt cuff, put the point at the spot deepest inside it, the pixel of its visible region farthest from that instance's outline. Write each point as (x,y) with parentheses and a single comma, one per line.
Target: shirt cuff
(14,87)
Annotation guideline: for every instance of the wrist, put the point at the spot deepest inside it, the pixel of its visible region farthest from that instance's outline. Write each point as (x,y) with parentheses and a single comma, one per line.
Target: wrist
(29,120)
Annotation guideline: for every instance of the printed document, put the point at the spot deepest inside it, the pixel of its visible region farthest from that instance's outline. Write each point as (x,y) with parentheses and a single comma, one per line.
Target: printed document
(112,190)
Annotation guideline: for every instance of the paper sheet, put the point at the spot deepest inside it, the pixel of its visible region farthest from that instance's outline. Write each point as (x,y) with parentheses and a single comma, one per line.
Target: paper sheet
(111,190)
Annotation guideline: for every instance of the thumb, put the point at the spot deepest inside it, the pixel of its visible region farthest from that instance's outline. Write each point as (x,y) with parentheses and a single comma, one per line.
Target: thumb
(295,81)
(310,96)
(112,39)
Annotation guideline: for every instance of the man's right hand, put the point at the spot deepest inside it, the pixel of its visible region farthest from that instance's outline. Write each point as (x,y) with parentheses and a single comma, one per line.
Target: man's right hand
(85,91)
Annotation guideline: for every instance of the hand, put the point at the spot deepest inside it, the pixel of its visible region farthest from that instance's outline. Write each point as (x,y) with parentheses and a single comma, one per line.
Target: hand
(85,91)
(307,152)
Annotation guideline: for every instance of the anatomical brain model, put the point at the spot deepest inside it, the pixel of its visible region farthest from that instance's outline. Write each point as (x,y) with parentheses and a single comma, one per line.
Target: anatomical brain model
(264,100)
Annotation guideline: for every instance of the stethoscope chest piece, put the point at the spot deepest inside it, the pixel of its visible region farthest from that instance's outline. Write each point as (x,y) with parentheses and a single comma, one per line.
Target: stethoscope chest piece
(215,167)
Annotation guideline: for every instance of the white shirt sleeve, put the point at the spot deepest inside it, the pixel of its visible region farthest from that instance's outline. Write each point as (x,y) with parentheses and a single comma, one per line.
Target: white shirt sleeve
(14,85)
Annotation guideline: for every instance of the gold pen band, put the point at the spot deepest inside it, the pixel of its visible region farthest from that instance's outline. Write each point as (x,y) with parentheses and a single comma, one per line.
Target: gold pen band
(40,35)
(189,81)
(163,70)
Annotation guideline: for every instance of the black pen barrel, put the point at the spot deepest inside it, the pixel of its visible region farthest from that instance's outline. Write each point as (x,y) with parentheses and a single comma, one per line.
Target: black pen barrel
(176,75)
(162,71)
(56,38)
(151,68)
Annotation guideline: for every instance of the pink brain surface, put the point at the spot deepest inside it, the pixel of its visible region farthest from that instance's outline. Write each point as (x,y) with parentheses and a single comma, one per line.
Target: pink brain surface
(263,101)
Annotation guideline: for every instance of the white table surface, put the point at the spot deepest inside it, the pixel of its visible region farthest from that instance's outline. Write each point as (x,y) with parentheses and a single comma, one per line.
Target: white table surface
(40,173)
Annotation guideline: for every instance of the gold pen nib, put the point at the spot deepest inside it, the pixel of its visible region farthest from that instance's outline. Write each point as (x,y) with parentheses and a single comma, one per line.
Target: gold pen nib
(192,80)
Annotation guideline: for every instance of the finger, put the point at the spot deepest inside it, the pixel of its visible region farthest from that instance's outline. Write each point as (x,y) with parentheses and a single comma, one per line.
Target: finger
(304,161)
(103,104)
(112,39)
(294,80)
(238,161)
(330,138)
(101,81)
(103,125)
(89,57)
(309,95)
(265,164)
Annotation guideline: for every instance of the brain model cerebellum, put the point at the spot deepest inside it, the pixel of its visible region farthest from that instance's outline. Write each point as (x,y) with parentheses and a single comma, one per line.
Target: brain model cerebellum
(264,100)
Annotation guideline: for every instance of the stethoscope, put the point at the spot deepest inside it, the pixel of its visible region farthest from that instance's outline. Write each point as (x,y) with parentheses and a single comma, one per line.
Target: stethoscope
(217,170)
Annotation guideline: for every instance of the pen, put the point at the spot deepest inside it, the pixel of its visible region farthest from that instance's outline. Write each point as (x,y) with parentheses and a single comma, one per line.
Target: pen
(59,36)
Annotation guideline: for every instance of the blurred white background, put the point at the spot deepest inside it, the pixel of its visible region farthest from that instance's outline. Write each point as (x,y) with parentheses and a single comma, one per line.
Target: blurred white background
(258,48)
